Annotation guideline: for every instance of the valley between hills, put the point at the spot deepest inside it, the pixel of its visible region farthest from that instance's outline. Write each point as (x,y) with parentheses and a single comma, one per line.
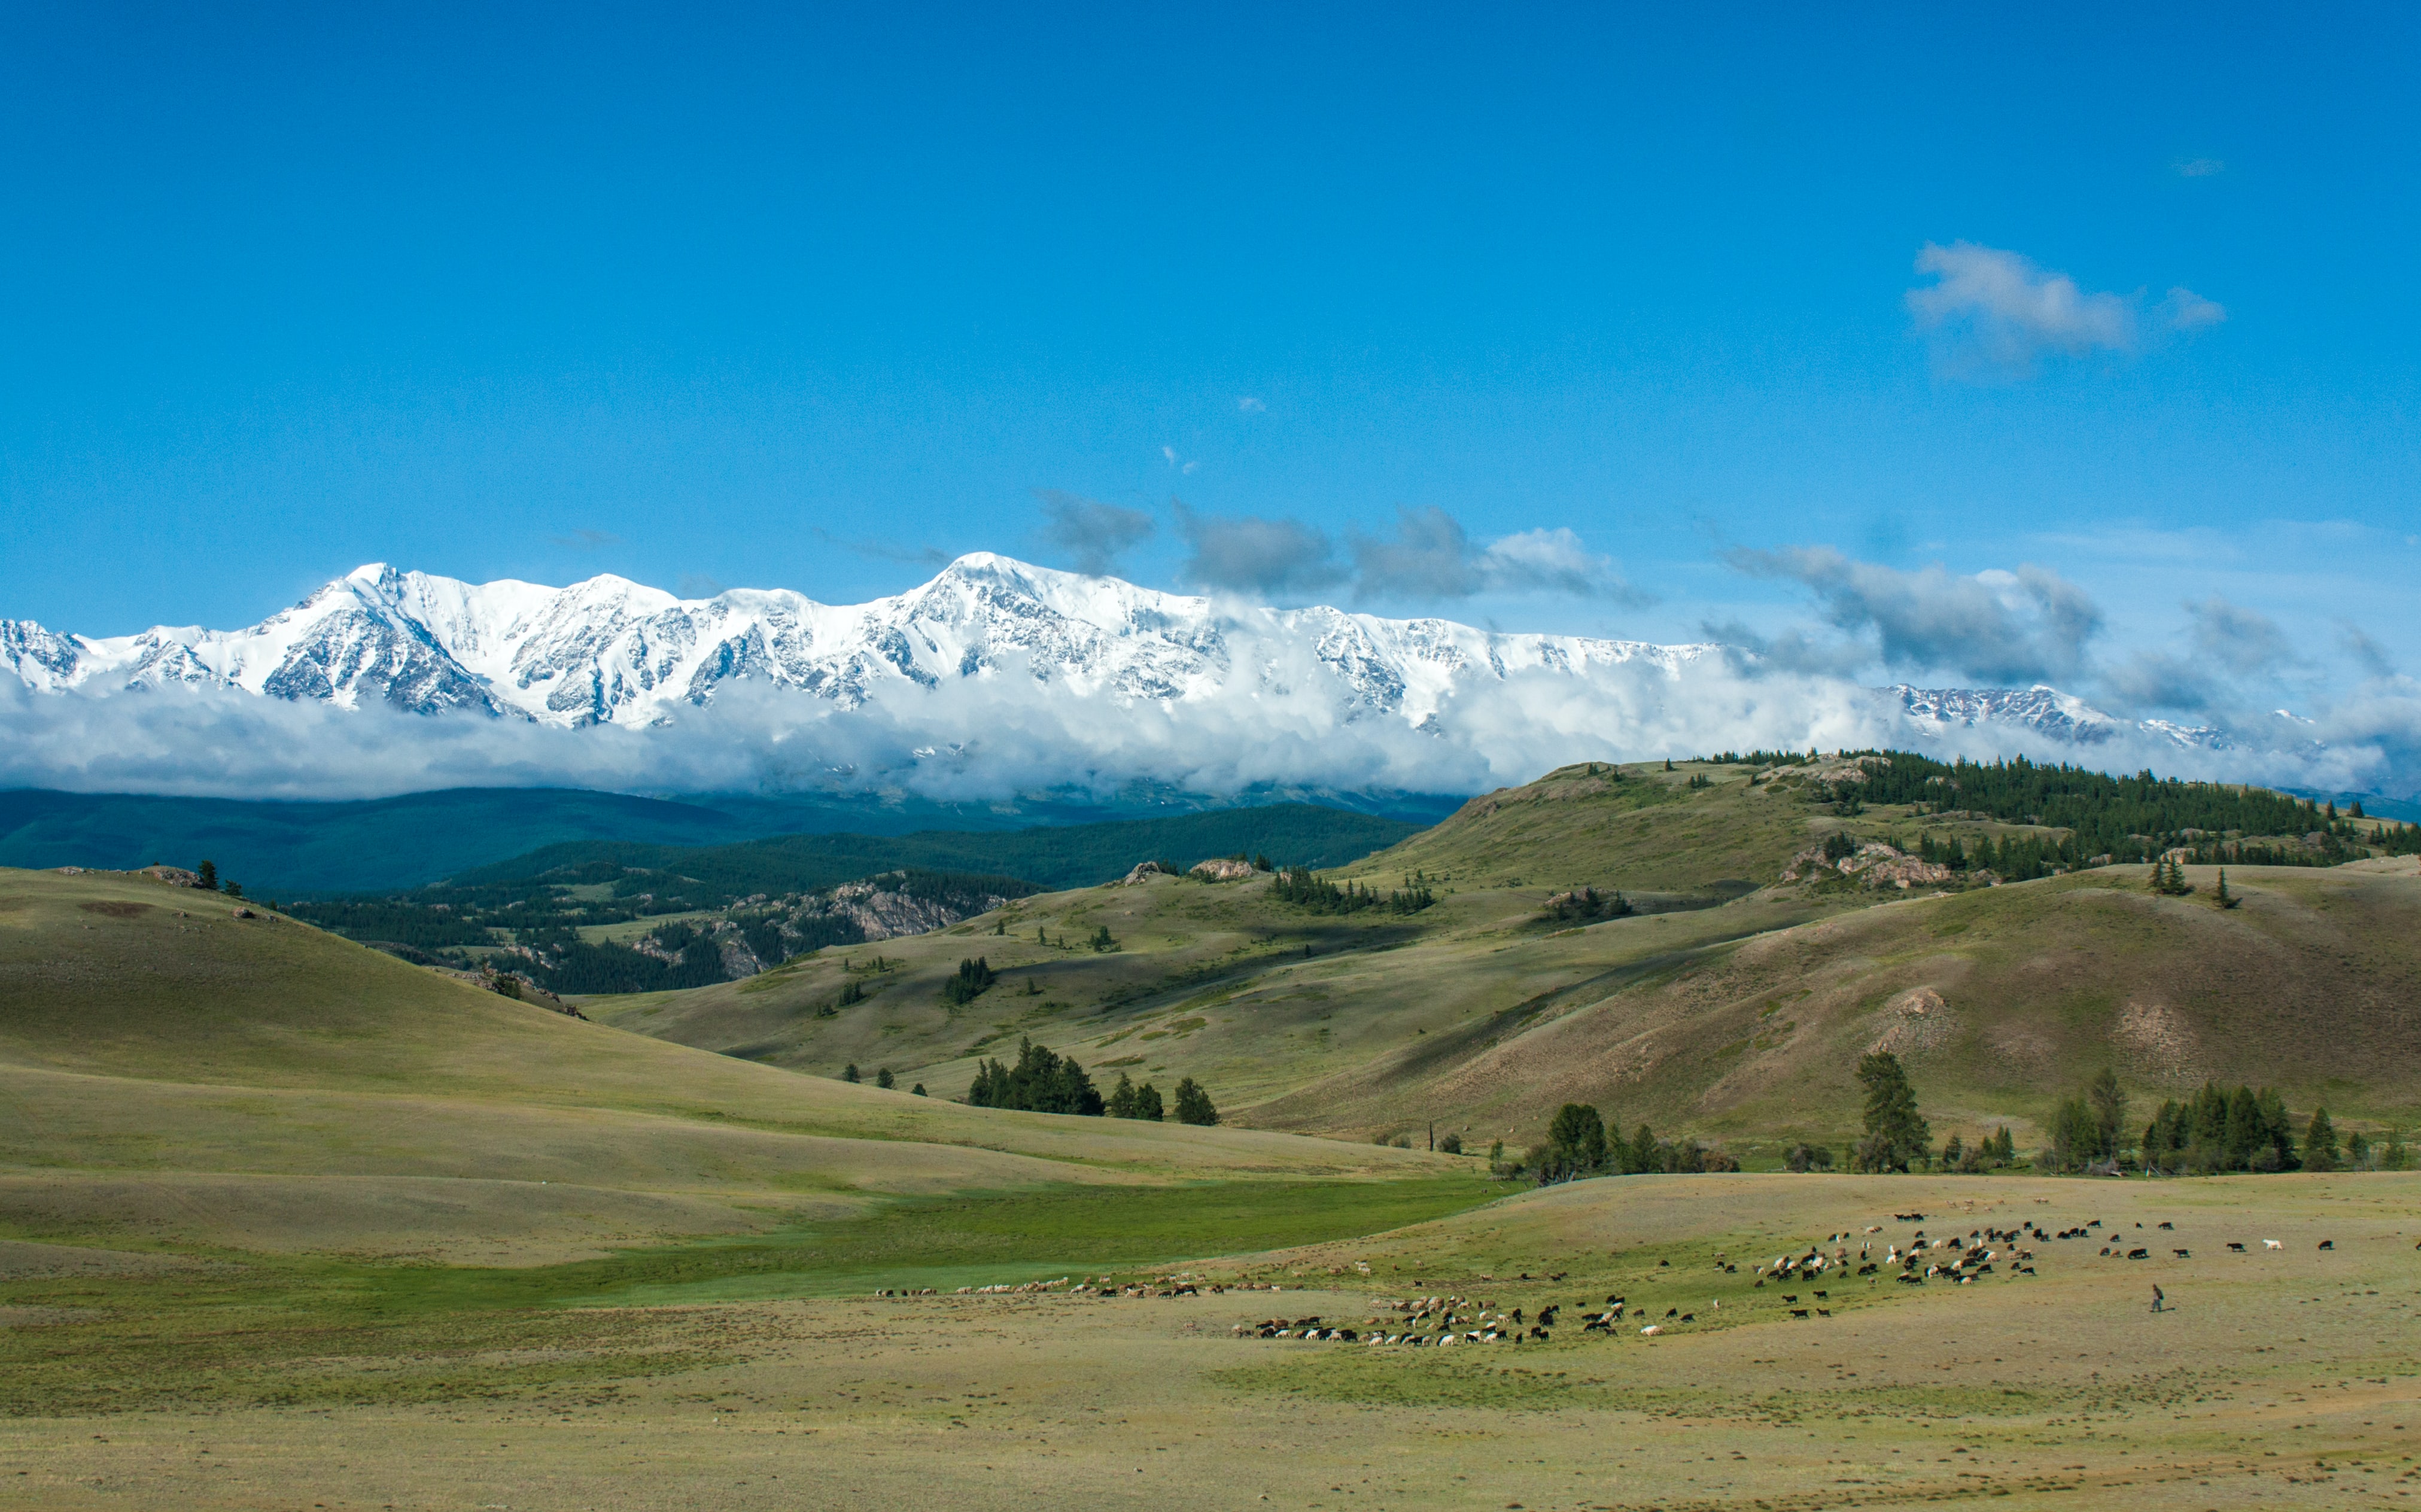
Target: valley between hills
(1727,1003)
(285,1217)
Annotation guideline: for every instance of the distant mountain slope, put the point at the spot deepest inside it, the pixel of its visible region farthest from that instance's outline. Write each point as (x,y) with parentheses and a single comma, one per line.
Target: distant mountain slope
(1052,856)
(1738,1019)
(286,848)
(2000,1002)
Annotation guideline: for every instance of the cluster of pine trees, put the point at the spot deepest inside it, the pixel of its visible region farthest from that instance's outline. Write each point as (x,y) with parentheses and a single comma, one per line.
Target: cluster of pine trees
(1297,885)
(2214,1130)
(1191,1105)
(1588,903)
(974,978)
(1580,1143)
(1043,1080)
(2129,818)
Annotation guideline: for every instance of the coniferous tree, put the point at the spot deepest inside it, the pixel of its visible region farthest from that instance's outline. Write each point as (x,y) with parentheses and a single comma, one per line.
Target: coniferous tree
(205,877)
(2277,1129)
(2393,1155)
(2108,1103)
(849,1073)
(1897,1135)
(2357,1150)
(883,1078)
(1576,1142)
(1193,1104)
(1120,1103)
(917,1091)
(1641,1153)
(1147,1103)
(2321,1142)
(2221,896)
(2247,1131)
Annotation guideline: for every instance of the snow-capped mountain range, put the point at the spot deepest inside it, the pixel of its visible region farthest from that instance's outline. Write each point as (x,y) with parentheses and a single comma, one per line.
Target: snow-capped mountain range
(2047,711)
(994,676)
(610,651)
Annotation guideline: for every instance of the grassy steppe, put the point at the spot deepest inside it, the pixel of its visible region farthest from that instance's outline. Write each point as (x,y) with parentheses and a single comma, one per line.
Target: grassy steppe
(2276,1378)
(171,1071)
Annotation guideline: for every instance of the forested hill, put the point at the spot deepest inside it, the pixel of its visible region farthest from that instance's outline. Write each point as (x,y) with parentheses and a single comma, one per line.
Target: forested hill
(601,917)
(2128,819)
(1060,856)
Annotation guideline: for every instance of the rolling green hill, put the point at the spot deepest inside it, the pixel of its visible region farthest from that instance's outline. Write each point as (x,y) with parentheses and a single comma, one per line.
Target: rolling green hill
(1731,1006)
(173,1071)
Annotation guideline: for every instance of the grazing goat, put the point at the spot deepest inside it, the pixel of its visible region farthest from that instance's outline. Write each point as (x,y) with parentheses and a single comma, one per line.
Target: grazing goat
(2328,1244)
(2234,1248)
(2272,1244)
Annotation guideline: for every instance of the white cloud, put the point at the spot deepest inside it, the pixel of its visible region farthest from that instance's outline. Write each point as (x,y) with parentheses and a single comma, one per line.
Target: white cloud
(1430,557)
(1996,626)
(2201,169)
(1994,313)
(1247,404)
(1998,308)
(2185,310)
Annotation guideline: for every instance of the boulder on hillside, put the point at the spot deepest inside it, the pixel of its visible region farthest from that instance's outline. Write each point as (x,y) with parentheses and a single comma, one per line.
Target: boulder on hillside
(1223,870)
(1144,872)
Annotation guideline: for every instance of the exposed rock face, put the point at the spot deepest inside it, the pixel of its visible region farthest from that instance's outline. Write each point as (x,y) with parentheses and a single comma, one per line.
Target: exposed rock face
(887,913)
(1144,872)
(1915,1021)
(1873,863)
(1222,870)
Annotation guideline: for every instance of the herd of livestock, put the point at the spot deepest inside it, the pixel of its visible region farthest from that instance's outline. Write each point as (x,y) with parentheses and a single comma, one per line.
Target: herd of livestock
(1446,1321)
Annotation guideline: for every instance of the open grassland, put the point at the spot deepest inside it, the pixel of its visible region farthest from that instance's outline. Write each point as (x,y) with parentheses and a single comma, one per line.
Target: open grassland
(2277,1377)
(170,1072)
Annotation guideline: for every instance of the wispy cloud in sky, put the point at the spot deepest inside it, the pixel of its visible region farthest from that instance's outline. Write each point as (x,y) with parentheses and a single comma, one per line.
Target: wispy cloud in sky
(1249,554)
(1430,557)
(1993,314)
(885,550)
(1994,627)
(1997,308)
(1089,533)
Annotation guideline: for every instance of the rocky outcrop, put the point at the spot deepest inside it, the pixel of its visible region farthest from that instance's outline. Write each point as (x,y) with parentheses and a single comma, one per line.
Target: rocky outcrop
(1873,863)
(1223,870)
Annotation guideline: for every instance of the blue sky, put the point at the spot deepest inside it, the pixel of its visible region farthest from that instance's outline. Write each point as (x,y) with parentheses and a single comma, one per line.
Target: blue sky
(1388,298)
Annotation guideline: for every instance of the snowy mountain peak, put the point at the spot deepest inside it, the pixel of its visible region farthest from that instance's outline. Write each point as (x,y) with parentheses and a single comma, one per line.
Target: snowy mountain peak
(608,650)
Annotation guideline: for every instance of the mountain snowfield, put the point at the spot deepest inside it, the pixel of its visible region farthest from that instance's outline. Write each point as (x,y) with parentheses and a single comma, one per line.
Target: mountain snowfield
(994,675)
(610,651)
